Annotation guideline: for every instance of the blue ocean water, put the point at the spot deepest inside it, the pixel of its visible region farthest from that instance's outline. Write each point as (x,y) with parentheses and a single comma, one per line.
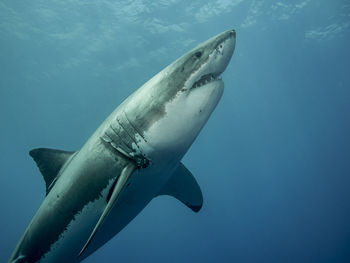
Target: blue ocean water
(273,161)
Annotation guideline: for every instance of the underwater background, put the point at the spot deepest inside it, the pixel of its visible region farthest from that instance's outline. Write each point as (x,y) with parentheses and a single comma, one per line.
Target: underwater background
(273,161)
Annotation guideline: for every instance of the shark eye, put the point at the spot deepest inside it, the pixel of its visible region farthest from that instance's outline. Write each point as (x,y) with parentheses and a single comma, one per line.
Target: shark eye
(198,54)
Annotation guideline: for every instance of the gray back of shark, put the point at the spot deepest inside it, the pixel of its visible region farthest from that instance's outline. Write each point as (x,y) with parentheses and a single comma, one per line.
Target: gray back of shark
(134,156)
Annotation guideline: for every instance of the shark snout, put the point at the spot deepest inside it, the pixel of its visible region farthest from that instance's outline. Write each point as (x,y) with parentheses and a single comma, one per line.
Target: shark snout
(226,35)
(224,50)
(233,33)
(230,42)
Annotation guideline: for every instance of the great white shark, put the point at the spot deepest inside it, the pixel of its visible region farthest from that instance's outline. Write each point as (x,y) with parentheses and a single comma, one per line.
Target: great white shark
(134,156)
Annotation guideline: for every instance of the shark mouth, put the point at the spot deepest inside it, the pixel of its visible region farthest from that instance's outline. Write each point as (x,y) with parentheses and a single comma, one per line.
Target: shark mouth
(205,79)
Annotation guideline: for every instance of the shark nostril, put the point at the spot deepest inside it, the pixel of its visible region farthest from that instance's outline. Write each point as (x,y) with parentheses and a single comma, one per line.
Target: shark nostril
(198,54)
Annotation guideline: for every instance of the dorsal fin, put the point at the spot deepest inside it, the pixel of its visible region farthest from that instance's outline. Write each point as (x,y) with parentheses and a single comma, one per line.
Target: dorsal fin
(50,162)
(184,187)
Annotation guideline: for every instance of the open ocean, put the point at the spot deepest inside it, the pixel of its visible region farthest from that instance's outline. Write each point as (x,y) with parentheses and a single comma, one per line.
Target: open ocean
(273,161)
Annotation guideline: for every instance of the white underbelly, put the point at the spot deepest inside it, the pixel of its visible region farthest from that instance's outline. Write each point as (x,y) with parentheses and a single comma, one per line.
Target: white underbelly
(144,185)
(71,241)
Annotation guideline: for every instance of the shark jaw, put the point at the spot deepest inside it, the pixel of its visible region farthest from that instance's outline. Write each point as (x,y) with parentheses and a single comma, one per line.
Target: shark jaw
(215,64)
(188,91)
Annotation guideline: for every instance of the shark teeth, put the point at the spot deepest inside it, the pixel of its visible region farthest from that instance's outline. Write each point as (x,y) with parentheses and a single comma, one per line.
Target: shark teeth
(205,80)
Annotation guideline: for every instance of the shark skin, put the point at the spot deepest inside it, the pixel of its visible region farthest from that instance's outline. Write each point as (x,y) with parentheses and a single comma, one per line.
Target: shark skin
(134,156)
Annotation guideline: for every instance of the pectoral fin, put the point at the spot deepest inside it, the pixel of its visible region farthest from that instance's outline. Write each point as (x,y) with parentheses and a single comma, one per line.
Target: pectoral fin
(184,187)
(122,181)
